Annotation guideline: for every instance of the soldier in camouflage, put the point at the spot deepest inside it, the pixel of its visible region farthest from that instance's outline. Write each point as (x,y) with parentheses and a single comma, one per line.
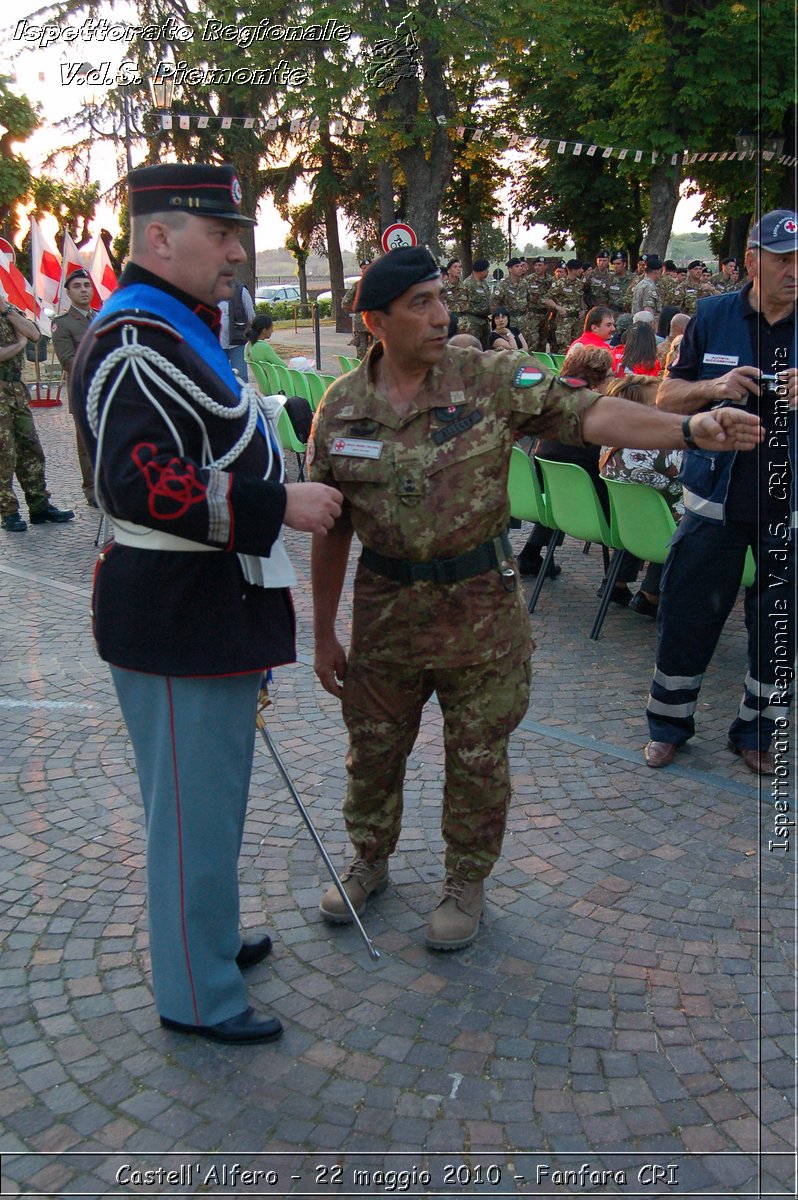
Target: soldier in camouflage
(473,297)
(511,293)
(728,278)
(667,283)
(693,289)
(646,293)
(597,283)
(418,439)
(619,282)
(567,297)
(539,307)
(361,338)
(452,286)
(21,453)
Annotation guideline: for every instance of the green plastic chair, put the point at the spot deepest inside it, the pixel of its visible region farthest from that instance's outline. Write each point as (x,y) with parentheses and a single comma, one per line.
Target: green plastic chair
(643,523)
(299,384)
(528,503)
(544,359)
(290,441)
(557,361)
(575,509)
(347,364)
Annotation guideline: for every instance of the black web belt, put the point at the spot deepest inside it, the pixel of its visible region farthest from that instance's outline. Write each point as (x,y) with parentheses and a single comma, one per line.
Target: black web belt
(440,570)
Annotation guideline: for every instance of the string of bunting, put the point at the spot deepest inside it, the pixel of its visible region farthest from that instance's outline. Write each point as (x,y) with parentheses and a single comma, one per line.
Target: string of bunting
(514,141)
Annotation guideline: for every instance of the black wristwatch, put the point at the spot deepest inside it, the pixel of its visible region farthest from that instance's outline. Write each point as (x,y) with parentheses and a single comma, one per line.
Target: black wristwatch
(689,440)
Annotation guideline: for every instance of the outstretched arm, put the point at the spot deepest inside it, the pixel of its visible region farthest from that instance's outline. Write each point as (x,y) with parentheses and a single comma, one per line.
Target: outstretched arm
(329,555)
(612,421)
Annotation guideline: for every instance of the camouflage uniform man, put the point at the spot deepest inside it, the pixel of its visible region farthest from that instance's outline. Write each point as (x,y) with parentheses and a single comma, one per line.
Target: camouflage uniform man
(567,297)
(646,294)
(619,281)
(511,293)
(452,285)
(418,439)
(667,284)
(536,322)
(474,297)
(361,338)
(693,289)
(68,331)
(21,453)
(728,278)
(597,286)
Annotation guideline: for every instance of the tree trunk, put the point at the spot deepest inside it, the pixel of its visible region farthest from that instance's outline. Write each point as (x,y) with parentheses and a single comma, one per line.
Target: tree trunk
(386,195)
(664,198)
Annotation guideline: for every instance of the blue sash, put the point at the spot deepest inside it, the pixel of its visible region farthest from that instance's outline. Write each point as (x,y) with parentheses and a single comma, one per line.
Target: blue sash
(202,340)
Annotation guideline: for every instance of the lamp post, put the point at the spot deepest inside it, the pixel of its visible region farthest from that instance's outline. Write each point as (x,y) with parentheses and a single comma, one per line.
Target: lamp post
(161,93)
(751,145)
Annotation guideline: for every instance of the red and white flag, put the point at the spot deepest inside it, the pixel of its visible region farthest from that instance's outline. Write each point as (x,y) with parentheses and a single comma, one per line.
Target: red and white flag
(16,287)
(45,271)
(101,271)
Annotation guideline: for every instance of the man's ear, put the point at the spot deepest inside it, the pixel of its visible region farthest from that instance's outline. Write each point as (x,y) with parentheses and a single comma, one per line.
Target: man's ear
(159,239)
(374,323)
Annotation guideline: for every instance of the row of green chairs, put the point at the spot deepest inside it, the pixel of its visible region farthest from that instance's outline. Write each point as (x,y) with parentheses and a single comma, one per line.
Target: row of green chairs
(640,520)
(347,364)
(553,361)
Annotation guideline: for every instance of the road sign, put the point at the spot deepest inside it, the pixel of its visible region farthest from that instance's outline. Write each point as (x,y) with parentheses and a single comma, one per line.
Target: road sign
(397,236)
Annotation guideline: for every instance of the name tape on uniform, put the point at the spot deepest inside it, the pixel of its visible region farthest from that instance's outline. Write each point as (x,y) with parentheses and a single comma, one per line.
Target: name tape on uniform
(722,360)
(357,448)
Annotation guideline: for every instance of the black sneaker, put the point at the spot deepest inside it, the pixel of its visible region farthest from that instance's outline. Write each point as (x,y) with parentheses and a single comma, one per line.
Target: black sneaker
(57,515)
(13,523)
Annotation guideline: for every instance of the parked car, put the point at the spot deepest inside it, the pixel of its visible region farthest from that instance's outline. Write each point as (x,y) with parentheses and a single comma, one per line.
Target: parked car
(274,293)
(350,279)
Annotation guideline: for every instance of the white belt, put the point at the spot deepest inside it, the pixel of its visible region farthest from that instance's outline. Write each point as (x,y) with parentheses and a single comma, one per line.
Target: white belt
(142,538)
(275,571)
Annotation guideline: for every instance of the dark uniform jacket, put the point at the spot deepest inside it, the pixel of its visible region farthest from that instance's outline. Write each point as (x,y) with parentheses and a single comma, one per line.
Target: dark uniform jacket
(181,612)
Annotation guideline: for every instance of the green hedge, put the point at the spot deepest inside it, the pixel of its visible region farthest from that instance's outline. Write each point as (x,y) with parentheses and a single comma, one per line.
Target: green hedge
(284,310)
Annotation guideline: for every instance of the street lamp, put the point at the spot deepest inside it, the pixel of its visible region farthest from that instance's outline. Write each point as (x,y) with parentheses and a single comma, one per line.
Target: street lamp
(161,93)
(751,145)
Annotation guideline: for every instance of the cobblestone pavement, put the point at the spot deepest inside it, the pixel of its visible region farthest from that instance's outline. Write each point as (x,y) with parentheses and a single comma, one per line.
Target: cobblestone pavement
(626,1014)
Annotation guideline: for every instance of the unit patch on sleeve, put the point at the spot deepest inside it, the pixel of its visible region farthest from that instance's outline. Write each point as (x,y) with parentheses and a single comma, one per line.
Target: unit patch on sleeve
(527,377)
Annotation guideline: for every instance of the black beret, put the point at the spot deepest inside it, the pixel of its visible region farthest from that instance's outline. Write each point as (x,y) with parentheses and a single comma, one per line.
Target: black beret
(365,263)
(481,264)
(193,188)
(603,252)
(539,259)
(620,256)
(79,273)
(515,262)
(669,264)
(653,262)
(393,274)
(573,264)
(695,263)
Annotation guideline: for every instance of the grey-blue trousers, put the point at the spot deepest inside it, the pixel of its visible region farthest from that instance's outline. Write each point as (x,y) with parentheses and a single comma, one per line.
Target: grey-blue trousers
(194,742)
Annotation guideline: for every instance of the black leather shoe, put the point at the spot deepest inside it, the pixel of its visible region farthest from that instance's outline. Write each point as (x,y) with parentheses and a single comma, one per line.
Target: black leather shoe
(533,568)
(57,515)
(620,594)
(252,953)
(247,1026)
(13,523)
(642,605)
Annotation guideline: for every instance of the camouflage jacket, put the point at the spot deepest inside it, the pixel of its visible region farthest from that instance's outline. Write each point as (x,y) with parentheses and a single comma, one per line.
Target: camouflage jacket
(512,296)
(10,368)
(537,289)
(597,288)
(475,297)
(646,295)
(688,294)
(569,294)
(617,288)
(432,484)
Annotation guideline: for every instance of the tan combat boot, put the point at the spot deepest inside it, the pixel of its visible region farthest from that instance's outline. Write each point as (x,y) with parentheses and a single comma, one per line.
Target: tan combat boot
(361,879)
(455,922)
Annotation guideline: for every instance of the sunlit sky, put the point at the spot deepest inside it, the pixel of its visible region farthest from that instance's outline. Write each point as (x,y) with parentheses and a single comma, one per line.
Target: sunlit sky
(38,75)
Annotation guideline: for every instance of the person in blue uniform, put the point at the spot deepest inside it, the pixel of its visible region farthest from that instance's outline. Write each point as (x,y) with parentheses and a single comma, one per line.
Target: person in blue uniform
(739,349)
(191,603)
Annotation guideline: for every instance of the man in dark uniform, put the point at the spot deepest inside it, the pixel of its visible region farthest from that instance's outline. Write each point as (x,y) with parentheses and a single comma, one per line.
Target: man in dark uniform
(191,603)
(418,439)
(68,331)
(739,349)
(21,452)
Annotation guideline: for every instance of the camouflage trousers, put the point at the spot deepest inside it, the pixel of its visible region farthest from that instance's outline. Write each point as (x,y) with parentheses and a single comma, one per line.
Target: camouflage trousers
(21,452)
(535,328)
(481,706)
(567,330)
